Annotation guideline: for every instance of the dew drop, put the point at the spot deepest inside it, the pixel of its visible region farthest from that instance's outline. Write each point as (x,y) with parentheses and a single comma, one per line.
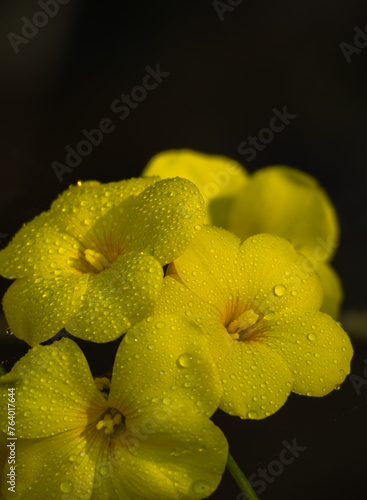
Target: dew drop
(311,336)
(337,387)
(160,325)
(269,315)
(185,360)
(200,487)
(279,290)
(252,414)
(66,487)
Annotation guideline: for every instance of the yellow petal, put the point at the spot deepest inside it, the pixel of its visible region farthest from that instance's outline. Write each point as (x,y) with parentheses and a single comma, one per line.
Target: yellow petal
(316,348)
(256,381)
(164,218)
(39,248)
(289,203)
(59,467)
(218,178)
(191,451)
(184,378)
(208,267)
(55,391)
(116,298)
(272,276)
(95,213)
(37,308)
(3,453)
(333,289)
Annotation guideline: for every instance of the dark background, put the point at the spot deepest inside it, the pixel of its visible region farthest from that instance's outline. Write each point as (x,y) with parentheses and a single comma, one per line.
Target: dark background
(225,77)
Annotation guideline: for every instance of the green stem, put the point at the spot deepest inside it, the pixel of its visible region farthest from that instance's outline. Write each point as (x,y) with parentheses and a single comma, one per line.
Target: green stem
(241,479)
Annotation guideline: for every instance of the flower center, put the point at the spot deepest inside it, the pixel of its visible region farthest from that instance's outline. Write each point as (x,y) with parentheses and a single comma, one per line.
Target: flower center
(111,419)
(247,326)
(96,260)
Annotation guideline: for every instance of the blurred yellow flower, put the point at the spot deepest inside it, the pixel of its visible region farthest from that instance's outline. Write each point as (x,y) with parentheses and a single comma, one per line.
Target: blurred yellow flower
(259,304)
(93,263)
(145,434)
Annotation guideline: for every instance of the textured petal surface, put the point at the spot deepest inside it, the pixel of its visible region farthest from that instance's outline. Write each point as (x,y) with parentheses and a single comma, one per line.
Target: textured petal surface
(316,348)
(208,266)
(3,452)
(55,391)
(289,203)
(333,289)
(272,276)
(38,308)
(117,297)
(39,248)
(57,467)
(218,178)
(93,210)
(164,219)
(256,381)
(162,457)
(184,378)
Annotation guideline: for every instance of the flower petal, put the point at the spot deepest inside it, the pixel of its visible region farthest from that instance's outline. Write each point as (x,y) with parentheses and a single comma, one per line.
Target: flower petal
(54,391)
(208,266)
(333,289)
(117,297)
(316,348)
(272,276)
(119,474)
(184,378)
(289,203)
(38,308)
(57,467)
(164,218)
(218,178)
(39,248)
(190,450)
(256,380)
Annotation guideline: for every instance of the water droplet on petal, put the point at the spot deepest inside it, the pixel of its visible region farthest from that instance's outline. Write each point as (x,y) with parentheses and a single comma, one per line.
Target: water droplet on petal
(279,290)
(200,487)
(311,336)
(66,487)
(252,414)
(185,360)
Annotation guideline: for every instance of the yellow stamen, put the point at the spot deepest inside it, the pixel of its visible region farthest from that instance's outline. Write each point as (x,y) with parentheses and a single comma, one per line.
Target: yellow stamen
(111,418)
(96,260)
(247,319)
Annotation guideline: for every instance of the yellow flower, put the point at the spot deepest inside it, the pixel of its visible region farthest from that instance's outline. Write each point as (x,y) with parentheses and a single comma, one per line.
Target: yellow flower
(276,200)
(93,262)
(218,178)
(259,304)
(145,434)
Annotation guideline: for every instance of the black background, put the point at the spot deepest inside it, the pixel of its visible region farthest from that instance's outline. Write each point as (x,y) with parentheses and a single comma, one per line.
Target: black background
(225,77)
